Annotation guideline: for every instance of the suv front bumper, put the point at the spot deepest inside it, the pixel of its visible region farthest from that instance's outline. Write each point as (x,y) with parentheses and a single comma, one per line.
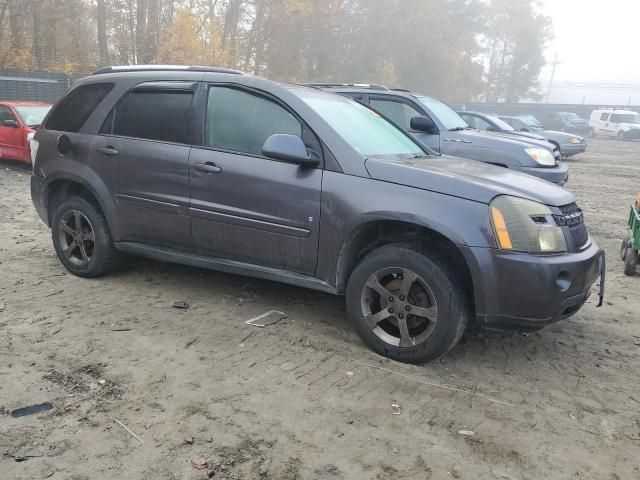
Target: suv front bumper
(558,174)
(571,149)
(523,292)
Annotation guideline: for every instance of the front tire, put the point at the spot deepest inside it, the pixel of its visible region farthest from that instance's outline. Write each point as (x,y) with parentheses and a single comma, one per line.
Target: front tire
(623,249)
(592,133)
(82,239)
(406,305)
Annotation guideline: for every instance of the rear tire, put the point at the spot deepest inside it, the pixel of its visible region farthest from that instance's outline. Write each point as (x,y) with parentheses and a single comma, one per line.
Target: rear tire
(406,305)
(82,239)
(630,262)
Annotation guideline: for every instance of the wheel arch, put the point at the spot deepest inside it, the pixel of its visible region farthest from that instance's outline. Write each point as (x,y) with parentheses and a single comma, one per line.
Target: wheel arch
(62,186)
(378,232)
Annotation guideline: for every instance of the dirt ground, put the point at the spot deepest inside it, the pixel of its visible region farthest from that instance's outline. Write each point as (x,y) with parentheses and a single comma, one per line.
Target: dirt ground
(209,396)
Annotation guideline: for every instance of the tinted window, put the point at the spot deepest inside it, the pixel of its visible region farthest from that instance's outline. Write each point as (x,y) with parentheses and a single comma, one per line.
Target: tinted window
(74,109)
(480,124)
(241,122)
(399,112)
(5,114)
(625,118)
(470,119)
(152,115)
(604,117)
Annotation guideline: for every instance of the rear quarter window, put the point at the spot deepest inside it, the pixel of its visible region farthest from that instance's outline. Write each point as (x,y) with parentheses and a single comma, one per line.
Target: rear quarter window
(77,106)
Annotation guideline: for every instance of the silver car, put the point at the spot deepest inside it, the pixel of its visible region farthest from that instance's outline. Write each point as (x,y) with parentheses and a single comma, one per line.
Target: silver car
(569,144)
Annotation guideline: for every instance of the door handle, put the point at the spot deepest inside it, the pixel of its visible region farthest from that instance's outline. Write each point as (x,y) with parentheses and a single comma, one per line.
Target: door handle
(109,151)
(208,167)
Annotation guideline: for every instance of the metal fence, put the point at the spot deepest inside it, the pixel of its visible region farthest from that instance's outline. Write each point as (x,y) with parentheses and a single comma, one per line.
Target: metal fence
(33,86)
(538,110)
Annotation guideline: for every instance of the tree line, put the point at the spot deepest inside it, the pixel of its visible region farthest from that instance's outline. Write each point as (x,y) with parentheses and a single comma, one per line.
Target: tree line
(454,49)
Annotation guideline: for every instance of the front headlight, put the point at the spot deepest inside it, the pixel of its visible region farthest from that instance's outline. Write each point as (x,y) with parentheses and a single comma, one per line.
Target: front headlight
(574,140)
(541,156)
(525,226)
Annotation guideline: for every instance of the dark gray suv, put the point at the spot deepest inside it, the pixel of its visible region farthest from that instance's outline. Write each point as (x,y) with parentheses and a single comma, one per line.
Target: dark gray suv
(212,168)
(438,126)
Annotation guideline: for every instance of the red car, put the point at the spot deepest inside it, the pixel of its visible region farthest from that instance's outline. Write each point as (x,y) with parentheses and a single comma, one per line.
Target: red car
(18,121)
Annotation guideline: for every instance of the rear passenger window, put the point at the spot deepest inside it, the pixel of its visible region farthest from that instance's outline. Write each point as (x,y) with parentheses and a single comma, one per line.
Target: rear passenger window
(151,115)
(604,117)
(240,121)
(74,109)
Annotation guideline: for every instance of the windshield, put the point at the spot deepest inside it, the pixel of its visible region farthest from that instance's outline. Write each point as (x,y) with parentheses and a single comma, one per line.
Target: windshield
(501,124)
(449,118)
(32,115)
(625,118)
(531,121)
(366,131)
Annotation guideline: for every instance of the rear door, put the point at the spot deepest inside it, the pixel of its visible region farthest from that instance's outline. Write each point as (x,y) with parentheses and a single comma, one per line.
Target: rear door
(245,206)
(147,139)
(402,111)
(10,136)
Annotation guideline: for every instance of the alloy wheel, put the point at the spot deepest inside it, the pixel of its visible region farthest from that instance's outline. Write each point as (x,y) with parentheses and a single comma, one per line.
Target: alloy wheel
(77,238)
(399,307)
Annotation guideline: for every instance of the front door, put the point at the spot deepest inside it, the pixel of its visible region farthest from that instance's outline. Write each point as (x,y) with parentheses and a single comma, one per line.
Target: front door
(401,112)
(146,139)
(10,136)
(245,206)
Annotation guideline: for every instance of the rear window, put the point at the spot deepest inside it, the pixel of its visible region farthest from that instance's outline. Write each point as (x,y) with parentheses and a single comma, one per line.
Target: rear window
(151,115)
(75,108)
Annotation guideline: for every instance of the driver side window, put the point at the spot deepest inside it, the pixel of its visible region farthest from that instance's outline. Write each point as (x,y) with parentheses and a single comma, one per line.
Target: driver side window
(5,114)
(399,112)
(240,121)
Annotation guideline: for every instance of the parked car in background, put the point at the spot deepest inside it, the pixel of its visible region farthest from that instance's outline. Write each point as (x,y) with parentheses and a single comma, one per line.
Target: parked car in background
(298,185)
(531,121)
(18,121)
(568,144)
(568,122)
(620,124)
(438,126)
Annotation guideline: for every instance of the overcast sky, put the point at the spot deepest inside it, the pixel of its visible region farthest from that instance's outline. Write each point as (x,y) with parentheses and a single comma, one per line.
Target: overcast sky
(596,41)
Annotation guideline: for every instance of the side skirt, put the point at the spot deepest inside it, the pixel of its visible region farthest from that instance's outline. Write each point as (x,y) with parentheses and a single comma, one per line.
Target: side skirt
(223,265)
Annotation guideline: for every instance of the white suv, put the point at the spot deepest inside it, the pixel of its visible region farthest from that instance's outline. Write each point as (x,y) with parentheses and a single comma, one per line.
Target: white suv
(620,124)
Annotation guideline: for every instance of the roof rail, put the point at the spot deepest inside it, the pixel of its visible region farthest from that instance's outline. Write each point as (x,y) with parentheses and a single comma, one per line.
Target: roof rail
(401,90)
(164,68)
(346,85)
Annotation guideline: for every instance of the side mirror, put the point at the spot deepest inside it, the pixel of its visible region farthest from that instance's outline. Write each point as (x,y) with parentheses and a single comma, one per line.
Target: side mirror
(288,148)
(423,124)
(10,123)
(524,129)
(64,145)
(490,129)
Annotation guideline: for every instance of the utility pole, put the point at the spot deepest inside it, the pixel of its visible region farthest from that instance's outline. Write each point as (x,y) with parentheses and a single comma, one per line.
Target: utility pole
(553,74)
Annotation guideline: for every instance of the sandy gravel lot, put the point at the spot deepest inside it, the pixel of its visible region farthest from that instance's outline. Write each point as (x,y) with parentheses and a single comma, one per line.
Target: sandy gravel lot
(301,399)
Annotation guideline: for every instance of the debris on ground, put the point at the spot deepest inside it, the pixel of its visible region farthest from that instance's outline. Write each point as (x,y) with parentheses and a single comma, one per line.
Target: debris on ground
(191,342)
(396,409)
(181,305)
(466,433)
(189,441)
(267,319)
(21,454)
(199,465)
(31,410)
(2,305)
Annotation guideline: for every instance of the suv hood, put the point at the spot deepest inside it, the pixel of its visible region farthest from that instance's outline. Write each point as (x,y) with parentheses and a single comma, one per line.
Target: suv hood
(467,179)
(529,138)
